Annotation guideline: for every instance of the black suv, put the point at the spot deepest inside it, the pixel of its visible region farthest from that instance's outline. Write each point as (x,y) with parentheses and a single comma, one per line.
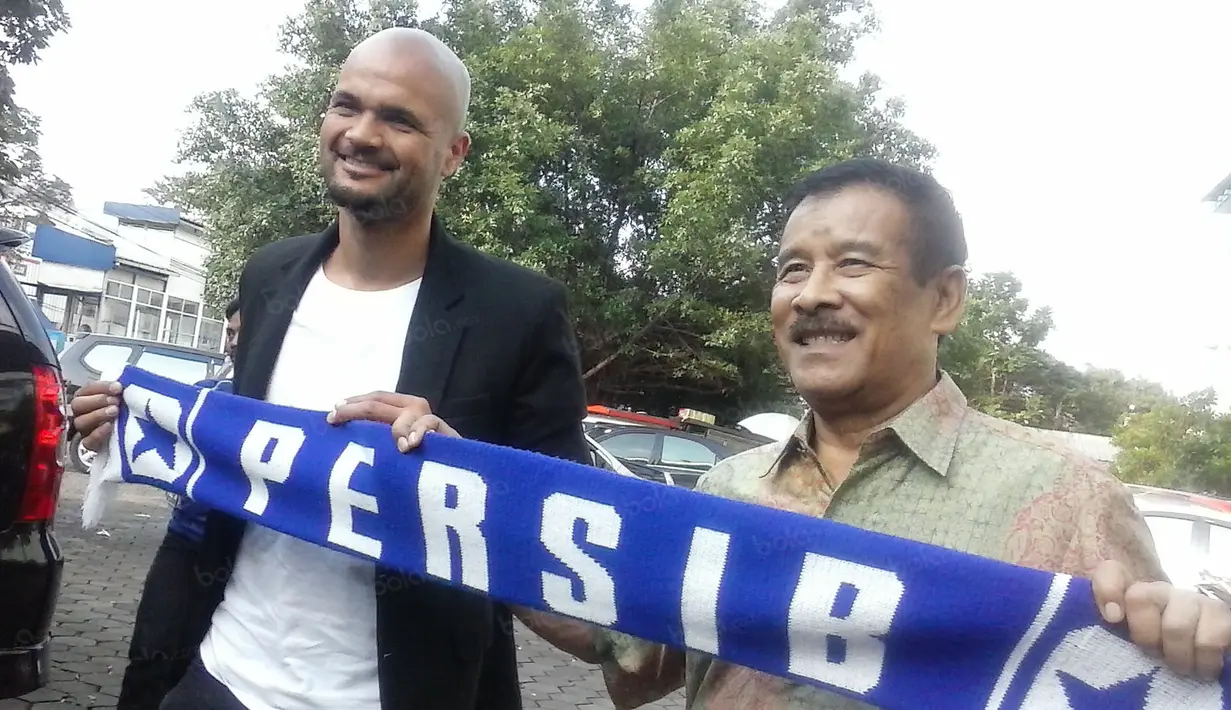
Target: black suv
(32,448)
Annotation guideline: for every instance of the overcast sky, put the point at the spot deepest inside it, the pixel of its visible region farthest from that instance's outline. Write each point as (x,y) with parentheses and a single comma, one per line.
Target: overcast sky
(1078,138)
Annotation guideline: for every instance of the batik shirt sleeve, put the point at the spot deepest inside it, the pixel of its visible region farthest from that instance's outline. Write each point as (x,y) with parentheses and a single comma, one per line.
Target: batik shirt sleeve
(1086,518)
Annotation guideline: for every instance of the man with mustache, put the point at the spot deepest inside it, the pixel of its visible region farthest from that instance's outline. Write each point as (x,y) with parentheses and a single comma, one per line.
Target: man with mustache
(442,338)
(870,276)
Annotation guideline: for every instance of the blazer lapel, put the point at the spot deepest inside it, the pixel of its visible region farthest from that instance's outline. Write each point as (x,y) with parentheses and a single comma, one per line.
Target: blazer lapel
(436,324)
(279,299)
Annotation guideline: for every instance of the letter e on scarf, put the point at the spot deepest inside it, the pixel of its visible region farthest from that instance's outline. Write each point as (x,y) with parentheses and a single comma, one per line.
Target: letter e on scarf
(437,483)
(839,614)
(560,515)
(266,455)
(343,498)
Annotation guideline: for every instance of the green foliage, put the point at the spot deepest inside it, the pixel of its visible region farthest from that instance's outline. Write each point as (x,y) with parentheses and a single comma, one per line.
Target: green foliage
(26,26)
(997,360)
(639,158)
(996,357)
(1184,444)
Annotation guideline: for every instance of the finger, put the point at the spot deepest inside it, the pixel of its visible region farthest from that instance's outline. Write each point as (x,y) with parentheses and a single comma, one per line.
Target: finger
(91,403)
(1143,606)
(87,423)
(1111,581)
(1213,638)
(420,427)
(402,428)
(97,440)
(371,410)
(1180,619)
(101,387)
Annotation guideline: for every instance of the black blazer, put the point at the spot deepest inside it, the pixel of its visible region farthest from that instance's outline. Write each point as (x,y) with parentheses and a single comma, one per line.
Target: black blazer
(491,347)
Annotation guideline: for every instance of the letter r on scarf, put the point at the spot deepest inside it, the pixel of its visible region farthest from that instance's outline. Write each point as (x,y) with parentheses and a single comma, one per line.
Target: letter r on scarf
(436,480)
(841,609)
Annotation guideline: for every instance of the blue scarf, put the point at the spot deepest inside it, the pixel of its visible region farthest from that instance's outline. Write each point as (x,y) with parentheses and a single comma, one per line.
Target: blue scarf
(897,624)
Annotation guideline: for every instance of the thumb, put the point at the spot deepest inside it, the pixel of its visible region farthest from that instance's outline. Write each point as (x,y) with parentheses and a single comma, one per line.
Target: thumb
(1111,582)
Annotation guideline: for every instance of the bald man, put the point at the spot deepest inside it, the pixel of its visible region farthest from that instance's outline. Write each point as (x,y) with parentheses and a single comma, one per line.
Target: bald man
(382,316)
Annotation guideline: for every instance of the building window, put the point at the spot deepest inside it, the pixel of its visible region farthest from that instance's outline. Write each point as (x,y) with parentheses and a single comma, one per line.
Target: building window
(180,326)
(211,335)
(146,326)
(54,306)
(120,290)
(137,306)
(115,316)
(147,297)
(85,314)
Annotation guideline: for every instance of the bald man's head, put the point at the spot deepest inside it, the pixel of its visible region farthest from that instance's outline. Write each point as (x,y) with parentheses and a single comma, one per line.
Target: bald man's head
(421,48)
(395,127)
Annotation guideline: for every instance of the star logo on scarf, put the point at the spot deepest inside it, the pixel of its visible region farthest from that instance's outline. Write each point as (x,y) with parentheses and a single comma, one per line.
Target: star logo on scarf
(1128,694)
(1094,669)
(153,438)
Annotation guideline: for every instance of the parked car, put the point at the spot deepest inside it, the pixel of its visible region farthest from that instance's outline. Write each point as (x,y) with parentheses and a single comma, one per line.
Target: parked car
(85,359)
(675,457)
(32,443)
(1192,534)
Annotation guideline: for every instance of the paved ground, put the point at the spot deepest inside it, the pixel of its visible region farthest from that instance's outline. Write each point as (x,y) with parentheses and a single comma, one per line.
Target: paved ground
(103,576)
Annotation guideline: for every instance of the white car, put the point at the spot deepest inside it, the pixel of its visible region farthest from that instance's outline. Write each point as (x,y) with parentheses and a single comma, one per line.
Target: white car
(1192,534)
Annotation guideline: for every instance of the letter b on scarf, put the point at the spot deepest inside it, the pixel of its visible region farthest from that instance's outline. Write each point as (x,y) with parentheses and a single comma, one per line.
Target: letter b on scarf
(839,615)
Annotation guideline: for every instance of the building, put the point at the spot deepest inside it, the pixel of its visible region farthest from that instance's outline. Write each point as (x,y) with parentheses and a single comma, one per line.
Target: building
(137,271)
(1220,196)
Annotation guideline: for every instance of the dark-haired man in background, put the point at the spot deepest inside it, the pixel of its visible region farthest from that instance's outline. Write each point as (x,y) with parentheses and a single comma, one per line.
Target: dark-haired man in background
(870,276)
(163,641)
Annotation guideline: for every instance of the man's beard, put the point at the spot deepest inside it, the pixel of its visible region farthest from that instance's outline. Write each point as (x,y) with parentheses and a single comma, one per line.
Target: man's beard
(397,201)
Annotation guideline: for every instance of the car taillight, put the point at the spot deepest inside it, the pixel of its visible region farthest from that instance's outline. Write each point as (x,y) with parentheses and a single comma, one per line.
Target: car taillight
(47,457)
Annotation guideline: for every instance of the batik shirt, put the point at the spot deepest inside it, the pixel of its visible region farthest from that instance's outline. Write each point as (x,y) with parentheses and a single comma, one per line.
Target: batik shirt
(940,473)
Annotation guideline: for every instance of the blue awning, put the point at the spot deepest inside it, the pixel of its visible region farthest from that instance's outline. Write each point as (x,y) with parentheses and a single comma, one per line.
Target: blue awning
(61,247)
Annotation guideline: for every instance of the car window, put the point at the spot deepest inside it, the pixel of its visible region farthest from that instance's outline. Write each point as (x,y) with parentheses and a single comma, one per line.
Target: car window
(1219,560)
(679,451)
(635,447)
(107,357)
(598,461)
(180,369)
(1173,542)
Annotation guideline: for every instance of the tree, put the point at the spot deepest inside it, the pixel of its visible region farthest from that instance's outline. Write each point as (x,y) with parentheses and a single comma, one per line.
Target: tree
(1183,444)
(26,26)
(639,158)
(997,358)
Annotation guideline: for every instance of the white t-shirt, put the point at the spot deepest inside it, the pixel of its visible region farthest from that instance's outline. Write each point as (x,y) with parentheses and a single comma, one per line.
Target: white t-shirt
(296,629)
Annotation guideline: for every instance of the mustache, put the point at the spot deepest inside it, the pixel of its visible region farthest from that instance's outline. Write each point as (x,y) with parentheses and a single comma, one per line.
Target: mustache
(806,326)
